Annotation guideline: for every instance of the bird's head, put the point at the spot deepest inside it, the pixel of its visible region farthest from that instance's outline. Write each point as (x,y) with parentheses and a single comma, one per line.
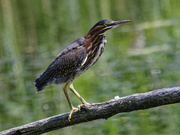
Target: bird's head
(103,26)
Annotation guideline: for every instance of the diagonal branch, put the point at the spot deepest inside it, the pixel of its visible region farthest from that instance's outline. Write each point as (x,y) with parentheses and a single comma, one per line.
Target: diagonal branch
(100,110)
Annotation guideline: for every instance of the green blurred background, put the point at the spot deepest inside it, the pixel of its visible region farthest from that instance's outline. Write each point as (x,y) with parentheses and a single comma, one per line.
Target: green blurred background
(140,56)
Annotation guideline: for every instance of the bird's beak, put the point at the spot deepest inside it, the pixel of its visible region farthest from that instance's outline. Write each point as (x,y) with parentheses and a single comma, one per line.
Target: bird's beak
(114,24)
(117,23)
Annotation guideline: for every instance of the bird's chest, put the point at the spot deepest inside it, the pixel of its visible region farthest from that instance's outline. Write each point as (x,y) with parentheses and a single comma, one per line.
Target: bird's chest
(98,51)
(94,52)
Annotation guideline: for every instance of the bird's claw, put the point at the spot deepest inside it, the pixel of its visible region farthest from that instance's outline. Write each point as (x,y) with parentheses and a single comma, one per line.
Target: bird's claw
(79,106)
(75,109)
(72,110)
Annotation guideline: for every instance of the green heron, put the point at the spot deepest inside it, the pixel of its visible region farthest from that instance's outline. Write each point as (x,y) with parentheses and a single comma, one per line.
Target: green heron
(74,60)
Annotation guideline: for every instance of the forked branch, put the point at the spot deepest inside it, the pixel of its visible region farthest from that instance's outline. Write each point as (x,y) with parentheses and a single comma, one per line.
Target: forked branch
(102,110)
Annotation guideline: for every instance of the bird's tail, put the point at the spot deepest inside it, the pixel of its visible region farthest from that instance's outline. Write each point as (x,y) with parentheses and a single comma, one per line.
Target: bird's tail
(41,82)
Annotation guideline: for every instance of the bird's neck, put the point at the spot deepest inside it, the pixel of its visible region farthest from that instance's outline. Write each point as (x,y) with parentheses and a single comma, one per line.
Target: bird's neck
(94,45)
(94,38)
(94,33)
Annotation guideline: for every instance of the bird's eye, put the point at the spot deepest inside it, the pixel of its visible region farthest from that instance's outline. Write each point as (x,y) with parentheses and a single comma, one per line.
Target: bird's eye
(107,23)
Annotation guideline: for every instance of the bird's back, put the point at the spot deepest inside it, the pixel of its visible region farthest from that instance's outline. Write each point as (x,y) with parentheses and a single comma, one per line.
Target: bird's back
(64,67)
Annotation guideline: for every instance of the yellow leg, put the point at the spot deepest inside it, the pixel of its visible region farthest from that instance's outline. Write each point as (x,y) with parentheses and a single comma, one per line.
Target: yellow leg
(69,101)
(77,94)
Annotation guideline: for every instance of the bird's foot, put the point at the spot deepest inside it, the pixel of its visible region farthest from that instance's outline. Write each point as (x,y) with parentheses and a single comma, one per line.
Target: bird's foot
(72,110)
(79,106)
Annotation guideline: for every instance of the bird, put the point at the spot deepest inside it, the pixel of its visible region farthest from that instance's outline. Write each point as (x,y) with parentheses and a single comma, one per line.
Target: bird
(75,59)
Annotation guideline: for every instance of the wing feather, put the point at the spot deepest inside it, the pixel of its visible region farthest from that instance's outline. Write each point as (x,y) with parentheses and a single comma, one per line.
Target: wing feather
(64,65)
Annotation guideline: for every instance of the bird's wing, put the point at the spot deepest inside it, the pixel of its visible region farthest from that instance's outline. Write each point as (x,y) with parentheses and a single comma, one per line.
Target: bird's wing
(64,65)
(68,61)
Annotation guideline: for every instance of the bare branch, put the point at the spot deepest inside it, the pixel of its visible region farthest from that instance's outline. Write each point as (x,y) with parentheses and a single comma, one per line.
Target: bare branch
(100,110)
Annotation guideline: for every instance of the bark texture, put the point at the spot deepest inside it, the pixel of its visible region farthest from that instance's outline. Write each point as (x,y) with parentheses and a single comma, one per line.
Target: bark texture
(102,110)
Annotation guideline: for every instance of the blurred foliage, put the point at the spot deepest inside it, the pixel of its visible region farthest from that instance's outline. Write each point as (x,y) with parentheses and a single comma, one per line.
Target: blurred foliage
(139,56)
